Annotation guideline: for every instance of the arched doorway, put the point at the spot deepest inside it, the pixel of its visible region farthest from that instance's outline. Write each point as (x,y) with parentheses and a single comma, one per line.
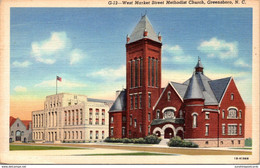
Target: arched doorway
(168,133)
(158,133)
(18,135)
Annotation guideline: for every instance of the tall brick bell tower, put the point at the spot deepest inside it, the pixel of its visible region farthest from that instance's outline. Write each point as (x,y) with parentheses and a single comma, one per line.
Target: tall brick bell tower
(143,77)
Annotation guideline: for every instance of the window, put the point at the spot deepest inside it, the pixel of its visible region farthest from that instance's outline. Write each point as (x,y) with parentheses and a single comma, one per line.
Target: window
(69,135)
(65,134)
(75,97)
(232,97)
(81,117)
(152,72)
(124,119)
(149,100)
(112,131)
(131,102)
(207,115)
(194,124)
(140,101)
(149,129)
(72,134)
(17,124)
(232,129)
(73,117)
(131,120)
(232,142)
(90,121)
(123,131)
(149,71)
(207,130)
(136,73)
(149,116)
(130,132)
(111,119)
(136,102)
(22,134)
(97,112)
(77,135)
(132,73)
(240,113)
(156,74)
(135,123)
(232,113)
(158,114)
(141,71)
(238,141)
(169,96)
(140,128)
(240,129)
(97,121)
(103,113)
(90,135)
(223,114)
(103,134)
(207,142)
(69,117)
(103,121)
(80,134)
(223,129)
(181,114)
(12,133)
(96,134)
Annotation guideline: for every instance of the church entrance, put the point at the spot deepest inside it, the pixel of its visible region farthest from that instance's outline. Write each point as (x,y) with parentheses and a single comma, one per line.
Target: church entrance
(168,133)
(158,133)
(18,135)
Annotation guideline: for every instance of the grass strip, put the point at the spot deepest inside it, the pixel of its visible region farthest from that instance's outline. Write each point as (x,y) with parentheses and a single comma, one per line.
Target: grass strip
(27,147)
(128,154)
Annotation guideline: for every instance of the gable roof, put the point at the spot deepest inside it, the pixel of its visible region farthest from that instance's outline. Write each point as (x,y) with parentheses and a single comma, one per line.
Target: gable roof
(180,88)
(120,103)
(143,25)
(12,120)
(25,122)
(219,86)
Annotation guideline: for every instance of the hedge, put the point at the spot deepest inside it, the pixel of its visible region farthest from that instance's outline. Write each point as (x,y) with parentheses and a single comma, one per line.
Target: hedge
(178,142)
(150,139)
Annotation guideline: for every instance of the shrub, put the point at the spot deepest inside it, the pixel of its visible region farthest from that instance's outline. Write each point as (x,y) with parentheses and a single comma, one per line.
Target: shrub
(178,142)
(126,140)
(248,142)
(152,139)
(139,140)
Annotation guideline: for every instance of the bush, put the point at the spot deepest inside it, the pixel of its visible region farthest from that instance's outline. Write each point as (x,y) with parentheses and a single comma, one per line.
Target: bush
(178,142)
(152,139)
(139,141)
(126,140)
(248,142)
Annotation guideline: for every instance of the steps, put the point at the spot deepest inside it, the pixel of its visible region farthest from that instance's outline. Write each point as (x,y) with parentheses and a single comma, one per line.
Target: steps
(164,142)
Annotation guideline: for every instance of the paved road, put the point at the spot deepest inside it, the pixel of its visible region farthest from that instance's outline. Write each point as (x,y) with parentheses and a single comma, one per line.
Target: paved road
(182,151)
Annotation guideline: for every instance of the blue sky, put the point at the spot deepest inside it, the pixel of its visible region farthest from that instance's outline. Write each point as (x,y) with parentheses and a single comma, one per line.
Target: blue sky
(86,47)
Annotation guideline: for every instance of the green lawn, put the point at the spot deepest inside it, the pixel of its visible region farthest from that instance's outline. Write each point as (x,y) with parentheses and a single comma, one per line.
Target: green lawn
(27,147)
(128,154)
(247,148)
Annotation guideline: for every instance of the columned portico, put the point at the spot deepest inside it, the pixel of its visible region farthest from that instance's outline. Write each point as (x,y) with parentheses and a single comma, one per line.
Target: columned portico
(166,130)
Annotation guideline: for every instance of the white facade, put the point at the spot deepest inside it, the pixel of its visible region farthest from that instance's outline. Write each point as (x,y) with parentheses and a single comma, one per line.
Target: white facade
(71,118)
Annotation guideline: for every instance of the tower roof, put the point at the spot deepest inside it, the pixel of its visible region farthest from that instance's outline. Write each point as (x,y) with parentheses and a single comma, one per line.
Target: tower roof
(142,26)
(193,91)
(199,64)
(120,103)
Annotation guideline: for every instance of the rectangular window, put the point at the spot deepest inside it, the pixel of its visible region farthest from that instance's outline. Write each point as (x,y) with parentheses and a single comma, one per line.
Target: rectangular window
(158,114)
(156,74)
(96,134)
(103,134)
(223,129)
(240,114)
(140,101)
(149,116)
(136,73)
(140,128)
(136,102)
(97,112)
(97,121)
(132,73)
(131,120)
(223,114)
(90,121)
(124,119)
(81,117)
(141,71)
(103,121)
(207,130)
(240,129)
(152,72)
(103,113)
(135,123)
(90,135)
(112,131)
(131,102)
(232,129)
(149,71)
(149,100)
(207,115)
(112,119)
(123,131)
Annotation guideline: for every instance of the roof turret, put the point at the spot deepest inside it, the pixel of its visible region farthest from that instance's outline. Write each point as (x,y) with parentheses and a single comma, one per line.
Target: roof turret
(144,29)
(199,66)
(193,91)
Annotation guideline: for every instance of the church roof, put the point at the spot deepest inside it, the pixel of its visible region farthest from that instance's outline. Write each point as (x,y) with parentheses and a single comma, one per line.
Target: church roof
(120,103)
(199,64)
(143,25)
(219,86)
(181,88)
(194,89)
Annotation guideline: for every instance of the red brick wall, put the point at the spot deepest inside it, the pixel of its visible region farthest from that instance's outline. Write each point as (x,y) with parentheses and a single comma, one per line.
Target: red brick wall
(117,124)
(225,104)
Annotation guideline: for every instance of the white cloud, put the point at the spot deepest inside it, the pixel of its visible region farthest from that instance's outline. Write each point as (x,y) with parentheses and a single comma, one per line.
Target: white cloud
(219,48)
(177,54)
(111,74)
(241,63)
(20,89)
(64,83)
(21,64)
(75,56)
(46,51)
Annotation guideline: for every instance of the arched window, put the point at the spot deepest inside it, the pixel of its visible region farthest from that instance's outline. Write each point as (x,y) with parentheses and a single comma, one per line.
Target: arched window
(232,113)
(181,114)
(232,96)
(240,113)
(194,120)
(169,96)
(158,114)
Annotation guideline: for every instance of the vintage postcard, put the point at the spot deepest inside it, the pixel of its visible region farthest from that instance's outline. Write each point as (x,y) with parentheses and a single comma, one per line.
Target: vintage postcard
(129,82)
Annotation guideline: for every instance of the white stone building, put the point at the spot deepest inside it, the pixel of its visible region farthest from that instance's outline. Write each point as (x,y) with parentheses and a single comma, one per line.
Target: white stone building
(71,118)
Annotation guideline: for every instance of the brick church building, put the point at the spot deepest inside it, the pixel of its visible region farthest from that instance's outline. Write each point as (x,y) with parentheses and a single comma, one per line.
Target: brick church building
(208,112)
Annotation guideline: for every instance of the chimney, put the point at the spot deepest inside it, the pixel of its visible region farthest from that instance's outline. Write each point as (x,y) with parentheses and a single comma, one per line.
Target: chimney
(127,38)
(159,37)
(145,32)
